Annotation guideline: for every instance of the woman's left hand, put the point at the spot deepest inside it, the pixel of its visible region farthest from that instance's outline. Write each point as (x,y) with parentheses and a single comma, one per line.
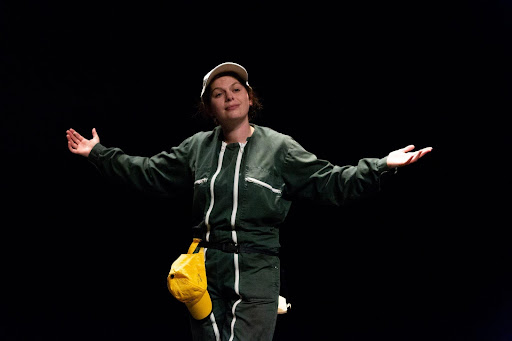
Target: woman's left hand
(405,156)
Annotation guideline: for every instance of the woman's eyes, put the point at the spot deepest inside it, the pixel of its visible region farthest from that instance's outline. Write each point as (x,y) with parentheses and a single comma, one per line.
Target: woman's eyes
(218,94)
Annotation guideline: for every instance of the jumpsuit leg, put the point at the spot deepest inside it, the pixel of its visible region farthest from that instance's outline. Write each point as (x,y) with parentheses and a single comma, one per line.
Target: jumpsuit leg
(255,309)
(209,328)
(245,290)
(218,267)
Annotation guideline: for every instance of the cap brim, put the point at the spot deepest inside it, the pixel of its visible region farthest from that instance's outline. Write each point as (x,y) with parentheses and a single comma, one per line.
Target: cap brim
(202,308)
(225,67)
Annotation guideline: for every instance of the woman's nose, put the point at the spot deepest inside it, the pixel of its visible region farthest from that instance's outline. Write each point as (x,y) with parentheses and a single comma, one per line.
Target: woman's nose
(229,96)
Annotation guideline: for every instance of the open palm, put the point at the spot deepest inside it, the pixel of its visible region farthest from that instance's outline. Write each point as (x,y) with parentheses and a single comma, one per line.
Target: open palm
(406,156)
(78,144)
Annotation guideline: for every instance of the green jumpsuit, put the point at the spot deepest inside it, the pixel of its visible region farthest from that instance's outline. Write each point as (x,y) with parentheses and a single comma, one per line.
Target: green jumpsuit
(242,192)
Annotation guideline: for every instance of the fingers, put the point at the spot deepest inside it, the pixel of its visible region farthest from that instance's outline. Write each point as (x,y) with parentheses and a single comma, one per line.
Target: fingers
(411,159)
(414,157)
(418,154)
(406,156)
(75,135)
(95,136)
(425,150)
(72,147)
(408,148)
(74,139)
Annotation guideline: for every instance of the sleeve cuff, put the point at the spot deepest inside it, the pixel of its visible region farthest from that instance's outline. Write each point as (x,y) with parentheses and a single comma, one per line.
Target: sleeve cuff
(382,165)
(95,153)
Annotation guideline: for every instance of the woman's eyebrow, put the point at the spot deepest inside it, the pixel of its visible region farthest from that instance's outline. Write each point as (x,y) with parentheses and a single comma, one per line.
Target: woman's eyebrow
(237,82)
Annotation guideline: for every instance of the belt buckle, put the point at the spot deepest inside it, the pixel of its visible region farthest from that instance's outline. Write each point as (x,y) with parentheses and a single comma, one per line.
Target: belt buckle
(231,247)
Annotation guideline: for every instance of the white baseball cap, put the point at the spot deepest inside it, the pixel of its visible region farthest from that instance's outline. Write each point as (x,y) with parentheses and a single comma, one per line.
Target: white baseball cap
(225,67)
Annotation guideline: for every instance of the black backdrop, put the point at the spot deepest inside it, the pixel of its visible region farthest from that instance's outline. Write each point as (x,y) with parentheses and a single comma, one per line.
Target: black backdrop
(428,258)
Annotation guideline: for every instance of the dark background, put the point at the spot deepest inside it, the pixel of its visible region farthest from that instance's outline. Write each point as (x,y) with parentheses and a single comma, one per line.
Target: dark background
(84,258)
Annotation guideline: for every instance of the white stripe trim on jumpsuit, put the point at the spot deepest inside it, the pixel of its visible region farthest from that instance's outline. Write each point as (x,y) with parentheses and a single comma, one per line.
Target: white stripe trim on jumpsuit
(212,183)
(207,222)
(234,237)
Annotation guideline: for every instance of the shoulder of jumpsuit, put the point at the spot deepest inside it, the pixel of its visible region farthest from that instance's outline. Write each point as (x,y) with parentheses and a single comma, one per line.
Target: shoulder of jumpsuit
(296,154)
(270,137)
(270,141)
(194,147)
(191,146)
(199,139)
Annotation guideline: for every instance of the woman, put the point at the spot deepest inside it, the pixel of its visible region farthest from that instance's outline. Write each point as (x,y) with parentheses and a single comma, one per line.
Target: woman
(244,177)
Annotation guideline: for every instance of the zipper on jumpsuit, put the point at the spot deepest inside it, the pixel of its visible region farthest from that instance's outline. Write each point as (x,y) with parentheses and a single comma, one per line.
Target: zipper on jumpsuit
(234,236)
(207,222)
(233,232)
(212,184)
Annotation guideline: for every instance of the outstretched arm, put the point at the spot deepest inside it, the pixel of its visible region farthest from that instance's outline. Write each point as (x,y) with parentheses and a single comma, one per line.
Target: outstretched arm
(77,144)
(166,173)
(405,156)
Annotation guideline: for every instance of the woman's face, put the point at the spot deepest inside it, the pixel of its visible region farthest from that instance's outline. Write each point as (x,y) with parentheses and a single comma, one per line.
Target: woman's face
(229,100)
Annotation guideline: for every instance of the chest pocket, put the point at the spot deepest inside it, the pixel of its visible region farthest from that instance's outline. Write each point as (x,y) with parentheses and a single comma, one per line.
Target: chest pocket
(263,179)
(263,184)
(262,202)
(201,189)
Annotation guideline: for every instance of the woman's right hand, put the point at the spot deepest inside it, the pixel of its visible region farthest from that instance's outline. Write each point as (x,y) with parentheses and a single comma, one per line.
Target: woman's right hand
(77,144)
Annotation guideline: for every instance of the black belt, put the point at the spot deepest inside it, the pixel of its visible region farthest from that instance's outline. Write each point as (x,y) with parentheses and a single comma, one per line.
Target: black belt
(235,248)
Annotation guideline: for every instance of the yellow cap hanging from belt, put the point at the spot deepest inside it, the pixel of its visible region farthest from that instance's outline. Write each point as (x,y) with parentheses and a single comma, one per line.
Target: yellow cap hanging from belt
(187,282)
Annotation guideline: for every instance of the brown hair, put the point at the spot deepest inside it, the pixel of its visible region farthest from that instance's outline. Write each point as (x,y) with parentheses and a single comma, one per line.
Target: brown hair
(204,105)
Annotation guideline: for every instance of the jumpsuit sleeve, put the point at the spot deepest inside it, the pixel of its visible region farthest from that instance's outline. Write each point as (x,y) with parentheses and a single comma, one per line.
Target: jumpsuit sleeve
(306,176)
(164,174)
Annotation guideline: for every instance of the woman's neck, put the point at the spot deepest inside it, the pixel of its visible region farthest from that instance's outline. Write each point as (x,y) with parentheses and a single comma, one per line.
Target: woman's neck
(238,133)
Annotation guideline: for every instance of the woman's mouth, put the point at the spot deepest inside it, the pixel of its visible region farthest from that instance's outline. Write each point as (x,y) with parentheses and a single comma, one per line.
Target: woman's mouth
(232,107)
